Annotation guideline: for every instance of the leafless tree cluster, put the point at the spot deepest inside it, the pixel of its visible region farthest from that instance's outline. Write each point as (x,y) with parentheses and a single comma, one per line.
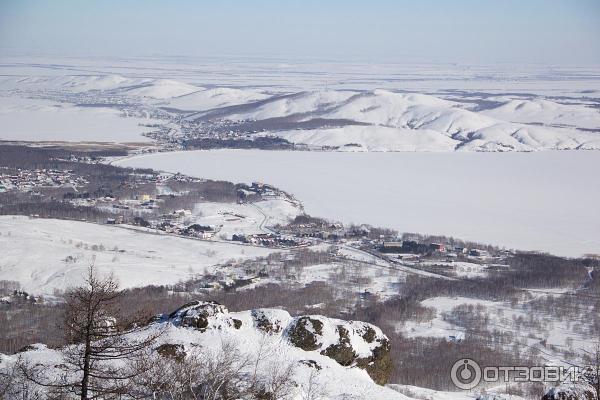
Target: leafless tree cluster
(224,373)
(218,374)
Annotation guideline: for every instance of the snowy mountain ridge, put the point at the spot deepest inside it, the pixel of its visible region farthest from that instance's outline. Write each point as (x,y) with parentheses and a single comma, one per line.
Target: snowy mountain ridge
(381,120)
(342,119)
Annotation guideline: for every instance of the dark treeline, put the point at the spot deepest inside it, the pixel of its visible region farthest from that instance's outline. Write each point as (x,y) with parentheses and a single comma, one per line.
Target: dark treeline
(448,240)
(24,322)
(426,362)
(532,270)
(262,143)
(16,156)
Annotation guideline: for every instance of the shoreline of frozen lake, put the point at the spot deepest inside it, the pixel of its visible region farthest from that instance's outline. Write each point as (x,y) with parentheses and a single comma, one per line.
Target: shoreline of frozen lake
(545,201)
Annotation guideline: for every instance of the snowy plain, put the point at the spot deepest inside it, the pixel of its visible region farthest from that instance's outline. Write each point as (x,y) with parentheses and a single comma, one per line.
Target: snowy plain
(544,201)
(27,119)
(63,250)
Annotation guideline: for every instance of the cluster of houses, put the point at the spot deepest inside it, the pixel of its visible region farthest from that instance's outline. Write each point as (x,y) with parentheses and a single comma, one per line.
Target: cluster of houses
(141,203)
(308,227)
(173,225)
(193,230)
(264,190)
(27,180)
(411,249)
(269,240)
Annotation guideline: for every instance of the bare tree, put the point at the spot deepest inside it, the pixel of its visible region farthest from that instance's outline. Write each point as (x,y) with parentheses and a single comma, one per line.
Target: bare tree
(100,350)
(166,377)
(278,381)
(14,386)
(312,389)
(271,378)
(223,373)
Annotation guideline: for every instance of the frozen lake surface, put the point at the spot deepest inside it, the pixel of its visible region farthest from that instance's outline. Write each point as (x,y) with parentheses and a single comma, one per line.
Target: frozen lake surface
(547,201)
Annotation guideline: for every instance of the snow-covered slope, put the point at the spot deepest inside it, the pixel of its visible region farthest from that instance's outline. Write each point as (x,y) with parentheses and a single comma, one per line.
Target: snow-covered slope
(162,89)
(421,122)
(298,103)
(64,249)
(215,98)
(71,83)
(547,113)
(373,138)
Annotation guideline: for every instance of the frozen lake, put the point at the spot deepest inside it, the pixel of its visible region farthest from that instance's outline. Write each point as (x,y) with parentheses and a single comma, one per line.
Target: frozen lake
(547,201)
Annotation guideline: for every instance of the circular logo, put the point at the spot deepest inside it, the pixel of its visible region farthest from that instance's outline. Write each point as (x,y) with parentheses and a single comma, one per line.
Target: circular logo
(465,374)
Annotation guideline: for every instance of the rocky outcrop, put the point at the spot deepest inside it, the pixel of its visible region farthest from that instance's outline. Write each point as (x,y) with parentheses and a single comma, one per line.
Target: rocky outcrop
(304,333)
(379,366)
(201,315)
(270,321)
(349,343)
(174,351)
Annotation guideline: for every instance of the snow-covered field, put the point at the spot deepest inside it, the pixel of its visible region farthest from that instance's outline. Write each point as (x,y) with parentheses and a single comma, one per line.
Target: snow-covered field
(47,254)
(247,219)
(43,120)
(532,201)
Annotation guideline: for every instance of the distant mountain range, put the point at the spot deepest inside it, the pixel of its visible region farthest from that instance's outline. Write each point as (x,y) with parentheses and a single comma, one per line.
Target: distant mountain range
(375,120)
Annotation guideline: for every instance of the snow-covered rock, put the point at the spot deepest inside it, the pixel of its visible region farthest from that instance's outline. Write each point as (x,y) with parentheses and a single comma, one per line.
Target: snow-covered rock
(349,343)
(200,328)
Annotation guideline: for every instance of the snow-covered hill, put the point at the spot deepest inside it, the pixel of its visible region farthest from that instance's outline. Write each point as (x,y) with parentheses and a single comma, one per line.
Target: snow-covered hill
(162,89)
(372,138)
(348,120)
(382,120)
(330,358)
(546,112)
(207,99)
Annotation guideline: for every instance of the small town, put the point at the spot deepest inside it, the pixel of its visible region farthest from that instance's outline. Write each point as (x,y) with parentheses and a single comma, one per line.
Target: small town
(29,180)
